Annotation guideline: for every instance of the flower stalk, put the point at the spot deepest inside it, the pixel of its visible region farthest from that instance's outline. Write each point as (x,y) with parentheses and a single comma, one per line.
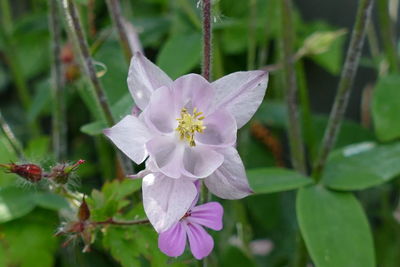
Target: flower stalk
(206,70)
(59,127)
(12,139)
(294,128)
(345,85)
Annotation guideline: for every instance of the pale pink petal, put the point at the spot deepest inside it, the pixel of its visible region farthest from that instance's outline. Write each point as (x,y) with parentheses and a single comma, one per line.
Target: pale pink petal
(166,155)
(166,200)
(130,136)
(160,114)
(193,91)
(201,243)
(173,241)
(220,130)
(144,77)
(200,161)
(208,214)
(240,93)
(229,181)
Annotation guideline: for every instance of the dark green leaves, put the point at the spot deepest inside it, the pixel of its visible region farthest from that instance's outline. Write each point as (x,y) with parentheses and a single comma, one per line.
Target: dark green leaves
(386,108)
(361,166)
(335,228)
(14,203)
(269,180)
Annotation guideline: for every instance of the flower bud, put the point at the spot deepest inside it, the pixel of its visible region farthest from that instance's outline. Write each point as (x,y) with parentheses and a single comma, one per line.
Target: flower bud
(67,54)
(30,172)
(61,172)
(83,212)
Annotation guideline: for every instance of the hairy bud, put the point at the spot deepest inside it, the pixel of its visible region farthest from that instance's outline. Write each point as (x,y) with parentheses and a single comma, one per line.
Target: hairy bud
(30,172)
(61,172)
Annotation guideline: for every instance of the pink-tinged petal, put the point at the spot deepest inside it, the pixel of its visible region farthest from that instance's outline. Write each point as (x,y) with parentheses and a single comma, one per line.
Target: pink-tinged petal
(229,181)
(220,130)
(130,136)
(160,114)
(200,161)
(173,241)
(166,200)
(193,91)
(208,214)
(144,77)
(201,243)
(241,93)
(166,155)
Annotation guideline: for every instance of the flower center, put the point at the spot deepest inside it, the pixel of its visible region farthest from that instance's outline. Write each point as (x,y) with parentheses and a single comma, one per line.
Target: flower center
(189,124)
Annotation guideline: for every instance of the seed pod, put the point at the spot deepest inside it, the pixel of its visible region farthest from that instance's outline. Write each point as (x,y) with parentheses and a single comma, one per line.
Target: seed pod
(30,172)
(84,212)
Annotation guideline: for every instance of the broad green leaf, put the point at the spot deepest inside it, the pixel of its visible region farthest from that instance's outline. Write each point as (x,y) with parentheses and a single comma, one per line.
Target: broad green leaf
(38,148)
(15,203)
(386,108)
(180,54)
(334,228)
(30,241)
(94,128)
(270,180)
(50,201)
(361,166)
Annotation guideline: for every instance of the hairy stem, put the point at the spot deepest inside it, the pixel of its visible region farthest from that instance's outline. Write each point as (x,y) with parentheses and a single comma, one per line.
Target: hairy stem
(113,222)
(114,8)
(59,127)
(9,134)
(206,70)
(294,128)
(345,85)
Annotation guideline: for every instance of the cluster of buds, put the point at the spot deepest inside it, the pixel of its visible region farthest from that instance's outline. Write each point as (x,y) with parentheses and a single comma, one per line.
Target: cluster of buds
(79,229)
(35,173)
(71,68)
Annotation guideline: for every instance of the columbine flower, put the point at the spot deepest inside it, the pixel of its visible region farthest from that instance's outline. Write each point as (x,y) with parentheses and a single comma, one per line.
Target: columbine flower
(188,128)
(173,241)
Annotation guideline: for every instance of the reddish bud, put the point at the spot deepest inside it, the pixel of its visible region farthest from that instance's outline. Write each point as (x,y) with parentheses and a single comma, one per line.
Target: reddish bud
(67,54)
(84,212)
(30,172)
(71,72)
(61,172)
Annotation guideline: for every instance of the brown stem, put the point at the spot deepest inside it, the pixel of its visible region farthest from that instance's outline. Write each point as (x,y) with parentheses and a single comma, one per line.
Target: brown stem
(113,222)
(206,70)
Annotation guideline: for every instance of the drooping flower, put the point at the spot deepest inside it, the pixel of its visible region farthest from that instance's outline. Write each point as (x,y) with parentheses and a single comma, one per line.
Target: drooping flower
(173,241)
(187,130)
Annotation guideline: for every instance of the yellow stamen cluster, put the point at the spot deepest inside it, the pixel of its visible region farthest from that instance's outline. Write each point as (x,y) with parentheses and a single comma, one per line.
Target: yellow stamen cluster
(189,124)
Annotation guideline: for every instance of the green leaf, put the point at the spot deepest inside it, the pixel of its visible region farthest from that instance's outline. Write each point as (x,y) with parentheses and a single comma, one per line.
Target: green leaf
(386,108)
(15,203)
(38,148)
(7,155)
(41,99)
(335,228)
(94,128)
(360,166)
(233,256)
(180,54)
(270,180)
(50,201)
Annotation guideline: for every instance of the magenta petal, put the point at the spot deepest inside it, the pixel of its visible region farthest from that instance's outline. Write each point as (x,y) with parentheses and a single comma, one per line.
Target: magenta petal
(229,181)
(200,161)
(240,93)
(130,136)
(193,91)
(209,215)
(160,113)
(173,241)
(144,77)
(220,130)
(166,200)
(166,154)
(201,243)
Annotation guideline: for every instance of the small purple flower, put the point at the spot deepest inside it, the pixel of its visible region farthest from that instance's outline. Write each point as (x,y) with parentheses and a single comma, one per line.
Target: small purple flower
(173,241)
(187,130)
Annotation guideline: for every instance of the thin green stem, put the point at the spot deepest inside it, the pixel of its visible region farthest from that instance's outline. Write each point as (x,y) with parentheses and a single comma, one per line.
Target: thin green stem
(121,223)
(294,127)
(387,33)
(114,8)
(59,127)
(252,44)
(12,139)
(345,85)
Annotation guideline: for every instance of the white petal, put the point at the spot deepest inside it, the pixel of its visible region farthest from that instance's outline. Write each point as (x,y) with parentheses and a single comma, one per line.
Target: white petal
(241,93)
(166,200)
(130,136)
(143,78)
(229,181)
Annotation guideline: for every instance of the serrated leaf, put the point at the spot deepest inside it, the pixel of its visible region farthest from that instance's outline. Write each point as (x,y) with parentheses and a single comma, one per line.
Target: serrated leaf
(360,166)
(334,228)
(270,180)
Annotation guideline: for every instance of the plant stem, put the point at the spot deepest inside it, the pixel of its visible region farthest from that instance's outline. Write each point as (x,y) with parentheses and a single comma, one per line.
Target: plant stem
(114,8)
(76,28)
(345,85)
(252,44)
(59,127)
(387,33)
(112,221)
(294,128)
(9,134)
(206,70)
